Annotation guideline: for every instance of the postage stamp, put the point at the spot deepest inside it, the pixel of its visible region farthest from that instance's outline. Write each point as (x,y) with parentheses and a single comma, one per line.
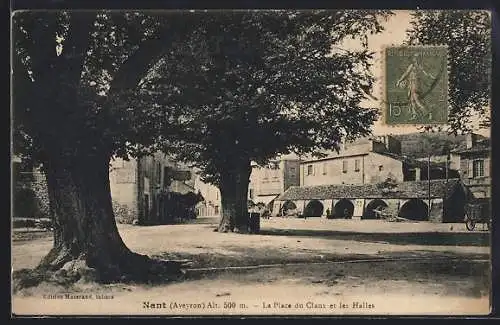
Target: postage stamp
(416,85)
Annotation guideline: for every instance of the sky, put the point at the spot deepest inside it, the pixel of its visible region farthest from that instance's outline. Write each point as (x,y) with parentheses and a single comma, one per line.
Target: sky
(394,34)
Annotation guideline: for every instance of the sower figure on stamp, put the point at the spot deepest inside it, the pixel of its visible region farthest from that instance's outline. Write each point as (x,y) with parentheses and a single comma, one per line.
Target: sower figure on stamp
(410,79)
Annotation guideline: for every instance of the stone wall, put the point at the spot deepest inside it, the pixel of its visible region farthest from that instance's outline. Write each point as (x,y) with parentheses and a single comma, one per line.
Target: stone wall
(31,196)
(436,213)
(123,186)
(124,213)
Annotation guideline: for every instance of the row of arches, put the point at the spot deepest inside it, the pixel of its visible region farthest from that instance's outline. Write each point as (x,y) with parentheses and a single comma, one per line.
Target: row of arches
(413,209)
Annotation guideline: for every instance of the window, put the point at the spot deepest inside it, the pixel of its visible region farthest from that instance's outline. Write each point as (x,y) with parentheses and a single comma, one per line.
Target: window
(119,163)
(309,170)
(292,172)
(325,168)
(356,165)
(167,177)
(345,165)
(380,168)
(478,168)
(251,193)
(265,175)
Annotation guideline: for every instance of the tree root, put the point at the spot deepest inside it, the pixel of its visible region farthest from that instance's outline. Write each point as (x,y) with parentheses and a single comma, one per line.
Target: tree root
(237,230)
(241,230)
(226,227)
(132,268)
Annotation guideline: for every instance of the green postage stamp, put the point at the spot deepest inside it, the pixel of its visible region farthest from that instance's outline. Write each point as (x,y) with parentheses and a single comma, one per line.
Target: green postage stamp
(416,85)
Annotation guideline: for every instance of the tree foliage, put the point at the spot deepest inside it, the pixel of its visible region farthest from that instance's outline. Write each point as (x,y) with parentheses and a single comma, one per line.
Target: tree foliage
(468,36)
(247,86)
(69,70)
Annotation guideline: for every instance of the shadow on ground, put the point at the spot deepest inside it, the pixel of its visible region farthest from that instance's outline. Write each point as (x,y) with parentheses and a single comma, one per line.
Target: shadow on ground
(23,236)
(238,256)
(408,238)
(443,273)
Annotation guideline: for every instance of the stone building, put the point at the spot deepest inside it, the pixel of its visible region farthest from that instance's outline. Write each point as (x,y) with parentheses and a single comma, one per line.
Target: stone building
(475,165)
(367,161)
(30,198)
(436,200)
(211,205)
(349,184)
(267,182)
(152,189)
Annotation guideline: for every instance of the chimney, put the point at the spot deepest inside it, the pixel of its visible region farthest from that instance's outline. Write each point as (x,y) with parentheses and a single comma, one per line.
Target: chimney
(470,140)
(390,144)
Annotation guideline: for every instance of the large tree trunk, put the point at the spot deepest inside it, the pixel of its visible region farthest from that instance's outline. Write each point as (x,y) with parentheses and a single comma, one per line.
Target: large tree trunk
(86,239)
(234,196)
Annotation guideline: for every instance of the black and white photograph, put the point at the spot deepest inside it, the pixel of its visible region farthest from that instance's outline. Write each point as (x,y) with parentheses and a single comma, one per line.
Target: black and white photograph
(251,162)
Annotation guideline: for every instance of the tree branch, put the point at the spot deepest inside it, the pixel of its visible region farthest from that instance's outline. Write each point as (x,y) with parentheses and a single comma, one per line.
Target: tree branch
(22,85)
(138,64)
(76,45)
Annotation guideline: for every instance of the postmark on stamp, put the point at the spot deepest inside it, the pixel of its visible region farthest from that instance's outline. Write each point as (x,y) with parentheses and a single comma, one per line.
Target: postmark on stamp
(415,85)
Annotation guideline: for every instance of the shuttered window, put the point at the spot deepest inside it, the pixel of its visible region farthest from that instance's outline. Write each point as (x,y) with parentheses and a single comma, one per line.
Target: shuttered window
(478,168)
(487,167)
(470,172)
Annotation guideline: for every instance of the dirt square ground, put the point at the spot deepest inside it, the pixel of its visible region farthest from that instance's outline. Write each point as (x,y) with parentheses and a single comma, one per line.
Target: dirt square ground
(294,266)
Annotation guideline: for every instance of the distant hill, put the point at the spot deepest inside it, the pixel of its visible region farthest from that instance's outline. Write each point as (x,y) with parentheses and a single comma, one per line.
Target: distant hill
(414,144)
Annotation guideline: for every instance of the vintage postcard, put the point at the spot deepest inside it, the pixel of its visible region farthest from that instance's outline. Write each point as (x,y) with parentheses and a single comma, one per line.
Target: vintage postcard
(251,162)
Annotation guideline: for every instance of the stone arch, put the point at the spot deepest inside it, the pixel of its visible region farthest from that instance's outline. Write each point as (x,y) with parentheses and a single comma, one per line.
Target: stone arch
(288,206)
(313,209)
(414,209)
(368,213)
(344,209)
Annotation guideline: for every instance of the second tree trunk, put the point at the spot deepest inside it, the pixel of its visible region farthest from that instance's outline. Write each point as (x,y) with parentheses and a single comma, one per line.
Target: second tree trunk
(234,197)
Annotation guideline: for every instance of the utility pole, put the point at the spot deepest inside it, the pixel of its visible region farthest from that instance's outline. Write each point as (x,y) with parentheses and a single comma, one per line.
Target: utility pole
(446,170)
(429,153)
(447,166)
(429,183)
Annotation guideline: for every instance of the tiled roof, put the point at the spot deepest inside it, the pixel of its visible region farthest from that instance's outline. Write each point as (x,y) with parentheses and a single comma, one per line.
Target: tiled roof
(480,147)
(330,154)
(440,188)
(404,159)
(410,161)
